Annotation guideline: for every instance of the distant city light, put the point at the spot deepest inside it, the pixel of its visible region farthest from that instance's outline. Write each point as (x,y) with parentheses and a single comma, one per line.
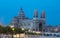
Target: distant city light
(56,29)
(12,26)
(22,28)
(22,35)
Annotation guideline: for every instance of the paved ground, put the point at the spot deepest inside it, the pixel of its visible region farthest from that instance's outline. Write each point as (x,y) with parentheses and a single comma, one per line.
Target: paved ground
(43,37)
(31,36)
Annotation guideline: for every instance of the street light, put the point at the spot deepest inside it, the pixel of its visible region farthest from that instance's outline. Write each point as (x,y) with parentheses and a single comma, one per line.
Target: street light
(12,27)
(22,35)
(38,32)
(22,29)
(13,31)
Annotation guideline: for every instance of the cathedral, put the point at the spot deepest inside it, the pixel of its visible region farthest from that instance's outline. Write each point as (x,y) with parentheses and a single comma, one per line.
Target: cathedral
(34,24)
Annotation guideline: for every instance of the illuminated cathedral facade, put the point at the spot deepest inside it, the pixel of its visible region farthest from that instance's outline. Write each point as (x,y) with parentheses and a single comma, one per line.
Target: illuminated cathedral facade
(34,24)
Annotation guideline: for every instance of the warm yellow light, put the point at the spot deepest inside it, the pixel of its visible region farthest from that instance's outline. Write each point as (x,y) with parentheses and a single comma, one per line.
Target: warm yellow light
(14,35)
(33,31)
(17,35)
(13,29)
(11,26)
(37,32)
(22,35)
(22,28)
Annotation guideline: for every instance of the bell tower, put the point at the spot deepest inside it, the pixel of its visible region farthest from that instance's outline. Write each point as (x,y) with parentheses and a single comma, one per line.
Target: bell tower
(35,21)
(42,24)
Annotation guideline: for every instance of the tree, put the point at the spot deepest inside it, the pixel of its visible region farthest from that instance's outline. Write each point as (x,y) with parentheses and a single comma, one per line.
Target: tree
(1,29)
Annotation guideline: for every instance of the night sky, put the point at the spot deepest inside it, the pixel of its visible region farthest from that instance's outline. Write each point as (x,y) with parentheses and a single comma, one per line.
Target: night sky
(10,8)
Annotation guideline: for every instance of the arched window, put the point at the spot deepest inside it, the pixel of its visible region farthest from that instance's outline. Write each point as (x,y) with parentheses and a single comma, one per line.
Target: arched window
(40,26)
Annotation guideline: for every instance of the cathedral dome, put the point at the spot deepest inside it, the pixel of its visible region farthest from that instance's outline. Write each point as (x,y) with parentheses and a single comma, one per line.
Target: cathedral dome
(21,14)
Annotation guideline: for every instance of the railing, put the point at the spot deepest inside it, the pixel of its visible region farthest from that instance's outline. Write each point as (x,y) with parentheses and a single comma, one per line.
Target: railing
(46,35)
(5,36)
(10,36)
(51,34)
(38,36)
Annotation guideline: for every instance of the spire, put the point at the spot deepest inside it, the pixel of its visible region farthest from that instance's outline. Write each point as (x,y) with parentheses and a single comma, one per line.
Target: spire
(21,10)
(21,14)
(43,21)
(35,13)
(43,14)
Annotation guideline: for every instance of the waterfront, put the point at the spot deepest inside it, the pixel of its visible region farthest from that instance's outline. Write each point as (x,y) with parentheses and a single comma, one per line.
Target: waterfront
(26,36)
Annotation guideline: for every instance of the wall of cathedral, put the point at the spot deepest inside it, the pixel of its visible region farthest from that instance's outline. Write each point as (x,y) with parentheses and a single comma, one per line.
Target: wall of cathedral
(35,24)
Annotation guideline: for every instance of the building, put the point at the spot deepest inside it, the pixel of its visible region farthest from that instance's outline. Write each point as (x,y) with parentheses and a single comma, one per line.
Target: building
(35,24)
(53,29)
(42,23)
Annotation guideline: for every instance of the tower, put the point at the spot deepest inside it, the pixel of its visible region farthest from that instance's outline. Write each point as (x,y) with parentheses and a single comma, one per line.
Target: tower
(21,14)
(35,21)
(35,14)
(42,24)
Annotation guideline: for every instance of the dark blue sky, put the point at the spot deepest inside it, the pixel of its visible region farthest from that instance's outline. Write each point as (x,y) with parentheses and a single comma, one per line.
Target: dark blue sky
(10,8)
